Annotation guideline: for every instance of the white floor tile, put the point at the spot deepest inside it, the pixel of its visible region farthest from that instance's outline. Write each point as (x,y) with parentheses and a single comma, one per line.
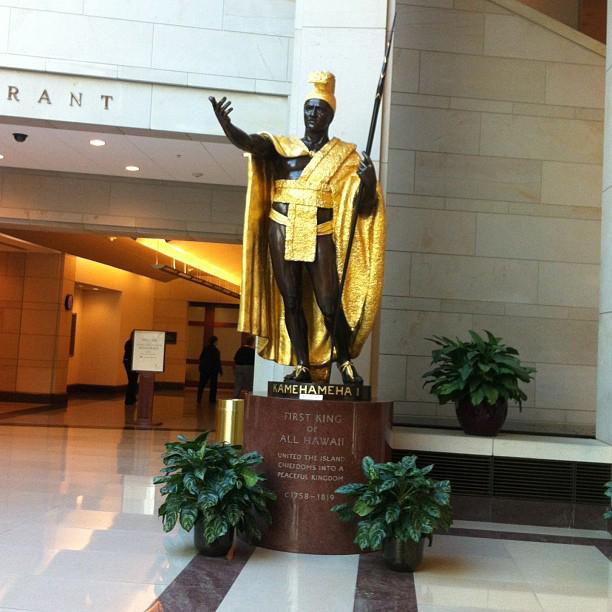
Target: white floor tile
(55,537)
(564,564)
(472,592)
(78,521)
(462,573)
(50,594)
(571,599)
(273,580)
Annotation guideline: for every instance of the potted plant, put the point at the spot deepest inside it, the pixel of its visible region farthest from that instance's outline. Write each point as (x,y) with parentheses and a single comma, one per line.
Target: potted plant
(398,507)
(214,488)
(608,493)
(480,376)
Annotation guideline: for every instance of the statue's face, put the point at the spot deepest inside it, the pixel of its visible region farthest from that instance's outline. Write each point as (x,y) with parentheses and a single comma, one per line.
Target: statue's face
(318,114)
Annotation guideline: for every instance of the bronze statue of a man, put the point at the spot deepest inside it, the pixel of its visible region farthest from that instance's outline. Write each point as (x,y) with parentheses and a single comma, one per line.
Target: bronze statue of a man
(299,203)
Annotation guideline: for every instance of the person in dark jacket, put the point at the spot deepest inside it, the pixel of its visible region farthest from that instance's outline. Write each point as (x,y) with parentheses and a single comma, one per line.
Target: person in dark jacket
(131,391)
(210,369)
(244,361)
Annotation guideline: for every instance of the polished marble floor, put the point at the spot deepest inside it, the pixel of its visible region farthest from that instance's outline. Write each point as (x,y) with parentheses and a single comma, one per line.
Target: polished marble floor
(79,531)
(172,410)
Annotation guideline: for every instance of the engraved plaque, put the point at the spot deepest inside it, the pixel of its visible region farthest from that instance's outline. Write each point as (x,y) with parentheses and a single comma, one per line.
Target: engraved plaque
(311,448)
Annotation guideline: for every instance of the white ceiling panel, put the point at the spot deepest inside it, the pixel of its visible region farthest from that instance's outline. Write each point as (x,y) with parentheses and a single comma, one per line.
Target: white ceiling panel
(175,157)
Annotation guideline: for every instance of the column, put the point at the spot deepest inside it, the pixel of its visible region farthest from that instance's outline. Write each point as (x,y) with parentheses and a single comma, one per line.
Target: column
(604,357)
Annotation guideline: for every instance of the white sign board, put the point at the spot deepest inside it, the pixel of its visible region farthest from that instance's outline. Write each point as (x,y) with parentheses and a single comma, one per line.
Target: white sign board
(148,353)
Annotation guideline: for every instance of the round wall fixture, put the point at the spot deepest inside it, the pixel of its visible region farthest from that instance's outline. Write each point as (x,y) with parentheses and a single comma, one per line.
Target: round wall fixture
(68,301)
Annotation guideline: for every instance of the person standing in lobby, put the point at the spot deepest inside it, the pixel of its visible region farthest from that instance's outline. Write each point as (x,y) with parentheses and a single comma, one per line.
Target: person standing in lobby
(131,390)
(244,362)
(210,369)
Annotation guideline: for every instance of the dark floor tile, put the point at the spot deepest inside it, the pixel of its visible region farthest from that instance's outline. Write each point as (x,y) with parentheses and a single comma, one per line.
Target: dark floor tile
(590,516)
(471,507)
(383,605)
(380,589)
(531,512)
(204,583)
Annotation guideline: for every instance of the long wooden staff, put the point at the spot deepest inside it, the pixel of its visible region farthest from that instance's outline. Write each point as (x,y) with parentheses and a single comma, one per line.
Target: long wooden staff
(357,199)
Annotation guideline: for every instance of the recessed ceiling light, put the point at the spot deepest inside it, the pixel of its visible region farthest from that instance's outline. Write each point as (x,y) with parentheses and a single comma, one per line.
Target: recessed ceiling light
(1,156)
(97,142)
(95,289)
(132,168)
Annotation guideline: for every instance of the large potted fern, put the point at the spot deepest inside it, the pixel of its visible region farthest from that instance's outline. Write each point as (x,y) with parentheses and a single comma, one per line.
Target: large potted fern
(213,488)
(480,376)
(397,509)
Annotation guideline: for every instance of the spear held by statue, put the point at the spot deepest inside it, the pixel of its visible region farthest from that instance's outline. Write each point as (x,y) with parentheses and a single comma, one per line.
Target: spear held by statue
(355,211)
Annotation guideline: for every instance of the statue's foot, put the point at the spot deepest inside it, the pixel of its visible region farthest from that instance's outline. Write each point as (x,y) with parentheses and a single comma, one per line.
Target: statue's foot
(300,374)
(349,373)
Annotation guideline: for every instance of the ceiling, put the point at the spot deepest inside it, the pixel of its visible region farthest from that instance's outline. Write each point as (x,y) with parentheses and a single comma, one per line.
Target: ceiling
(65,147)
(13,244)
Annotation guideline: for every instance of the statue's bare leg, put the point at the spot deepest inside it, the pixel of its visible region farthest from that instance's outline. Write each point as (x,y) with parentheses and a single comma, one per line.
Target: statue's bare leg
(288,276)
(324,275)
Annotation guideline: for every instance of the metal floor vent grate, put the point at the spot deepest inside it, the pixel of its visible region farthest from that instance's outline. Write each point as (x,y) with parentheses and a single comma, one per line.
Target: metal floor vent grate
(563,481)
(590,480)
(528,478)
(469,474)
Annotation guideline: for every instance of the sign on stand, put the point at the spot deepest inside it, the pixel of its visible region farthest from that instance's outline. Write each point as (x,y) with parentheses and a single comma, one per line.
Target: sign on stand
(147,358)
(149,351)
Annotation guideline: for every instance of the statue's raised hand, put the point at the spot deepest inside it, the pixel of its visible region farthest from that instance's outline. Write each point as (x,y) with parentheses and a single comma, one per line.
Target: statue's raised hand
(222,109)
(251,143)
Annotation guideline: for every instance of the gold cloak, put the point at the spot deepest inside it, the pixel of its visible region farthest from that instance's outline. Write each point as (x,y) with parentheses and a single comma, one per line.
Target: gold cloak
(261,306)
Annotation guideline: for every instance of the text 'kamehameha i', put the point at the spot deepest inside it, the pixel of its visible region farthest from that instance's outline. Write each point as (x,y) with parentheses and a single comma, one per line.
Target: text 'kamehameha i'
(321,390)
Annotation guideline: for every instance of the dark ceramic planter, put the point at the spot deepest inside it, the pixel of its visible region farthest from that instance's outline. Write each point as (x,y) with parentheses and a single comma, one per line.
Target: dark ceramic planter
(219,548)
(481,420)
(403,556)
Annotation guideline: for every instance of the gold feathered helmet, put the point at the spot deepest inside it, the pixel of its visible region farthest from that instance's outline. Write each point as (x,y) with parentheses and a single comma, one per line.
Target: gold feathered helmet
(324,87)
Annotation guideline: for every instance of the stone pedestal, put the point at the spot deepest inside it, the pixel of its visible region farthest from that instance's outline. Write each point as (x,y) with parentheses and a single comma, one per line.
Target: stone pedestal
(146,393)
(311,448)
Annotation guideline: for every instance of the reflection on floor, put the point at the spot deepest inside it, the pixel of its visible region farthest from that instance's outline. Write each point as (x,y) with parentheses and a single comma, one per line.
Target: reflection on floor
(174,409)
(79,531)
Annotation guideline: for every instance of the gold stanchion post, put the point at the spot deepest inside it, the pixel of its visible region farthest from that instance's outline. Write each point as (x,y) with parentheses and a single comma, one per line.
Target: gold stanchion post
(230,421)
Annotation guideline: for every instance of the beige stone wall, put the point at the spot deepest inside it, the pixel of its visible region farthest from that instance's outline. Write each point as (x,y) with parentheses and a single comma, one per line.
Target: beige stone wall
(493,199)
(34,326)
(114,205)
(12,270)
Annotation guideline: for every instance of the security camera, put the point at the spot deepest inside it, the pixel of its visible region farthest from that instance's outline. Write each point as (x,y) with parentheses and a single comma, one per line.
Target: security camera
(19,137)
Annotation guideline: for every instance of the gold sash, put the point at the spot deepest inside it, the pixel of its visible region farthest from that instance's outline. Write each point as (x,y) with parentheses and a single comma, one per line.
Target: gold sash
(323,229)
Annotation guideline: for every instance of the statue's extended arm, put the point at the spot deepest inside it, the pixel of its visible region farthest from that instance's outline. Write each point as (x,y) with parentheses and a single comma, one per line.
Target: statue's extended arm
(368,198)
(251,143)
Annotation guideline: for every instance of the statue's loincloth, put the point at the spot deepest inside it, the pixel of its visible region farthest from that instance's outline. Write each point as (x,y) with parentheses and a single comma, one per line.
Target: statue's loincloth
(303,199)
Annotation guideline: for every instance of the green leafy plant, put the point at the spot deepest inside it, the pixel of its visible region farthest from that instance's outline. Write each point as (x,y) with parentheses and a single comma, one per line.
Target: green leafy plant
(608,492)
(398,501)
(482,370)
(215,483)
